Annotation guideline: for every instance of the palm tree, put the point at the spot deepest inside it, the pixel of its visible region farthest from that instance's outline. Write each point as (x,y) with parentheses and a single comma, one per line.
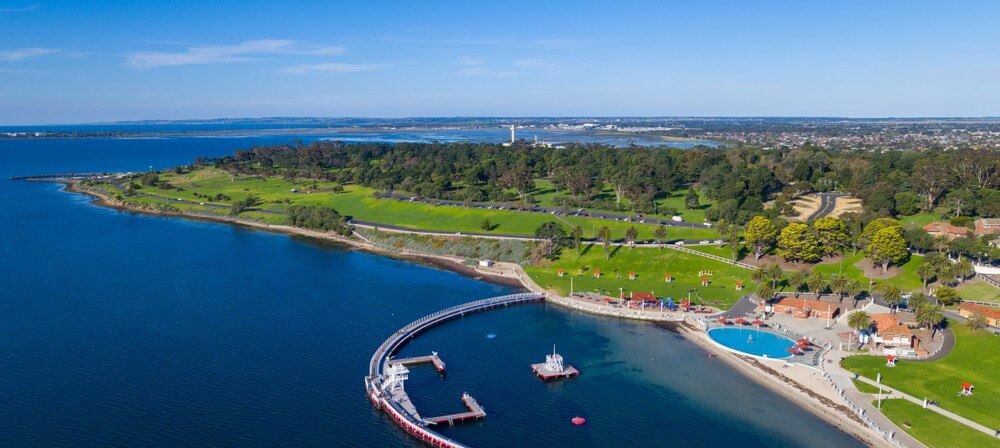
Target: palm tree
(661,235)
(765,291)
(816,282)
(916,300)
(859,320)
(854,289)
(631,235)
(926,271)
(892,295)
(963,268)
(605,235)
(577,237)
(838,285)
(774,273)
(769,273)
(931,316)
(798,279)
(940,243)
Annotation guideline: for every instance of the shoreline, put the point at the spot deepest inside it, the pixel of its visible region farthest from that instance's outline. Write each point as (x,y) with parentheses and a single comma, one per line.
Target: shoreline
(759,371)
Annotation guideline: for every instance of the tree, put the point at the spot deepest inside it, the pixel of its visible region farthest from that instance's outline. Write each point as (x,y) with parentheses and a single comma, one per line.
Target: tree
(660,234)
(859,321)
(816,283)
(891,294)
(631,235)
(929,316)
(553,236)
(760,235)
(916,300)
(926,271)
(945,295)
(797,243)
(874,227)
(976,321)
(831,234)
(888,246)
(963,268)
(770,274)
(486,225)
(765,291)
(838,284)
(932,178)
(731,233)
(798,279)
(604,234)
(577,237)
(691,200)
(518,178)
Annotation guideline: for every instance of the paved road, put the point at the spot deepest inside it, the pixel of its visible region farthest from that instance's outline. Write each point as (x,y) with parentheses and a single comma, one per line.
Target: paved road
(743,307)
(827,202)
(944,412)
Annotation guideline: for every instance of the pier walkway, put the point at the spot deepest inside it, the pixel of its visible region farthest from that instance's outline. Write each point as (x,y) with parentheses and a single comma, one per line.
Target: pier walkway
(433,358)
(390,396)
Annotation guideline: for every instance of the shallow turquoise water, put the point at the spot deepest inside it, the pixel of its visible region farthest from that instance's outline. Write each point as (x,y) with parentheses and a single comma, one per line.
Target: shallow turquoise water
(753,341)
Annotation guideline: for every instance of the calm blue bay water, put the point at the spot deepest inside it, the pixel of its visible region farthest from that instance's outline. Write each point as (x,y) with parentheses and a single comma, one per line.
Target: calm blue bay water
(126,330)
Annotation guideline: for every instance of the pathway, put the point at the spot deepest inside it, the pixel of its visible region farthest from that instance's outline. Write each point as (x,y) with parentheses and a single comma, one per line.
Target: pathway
(827,202)
(944,412)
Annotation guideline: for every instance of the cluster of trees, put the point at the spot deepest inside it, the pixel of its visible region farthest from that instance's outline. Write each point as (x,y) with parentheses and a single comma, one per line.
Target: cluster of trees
(882,239)
(741,180)
(317,218)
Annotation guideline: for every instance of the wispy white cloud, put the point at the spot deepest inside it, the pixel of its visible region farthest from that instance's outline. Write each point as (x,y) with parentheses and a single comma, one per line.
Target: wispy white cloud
(330,67)
(214,54)
(25,8)
(18,54)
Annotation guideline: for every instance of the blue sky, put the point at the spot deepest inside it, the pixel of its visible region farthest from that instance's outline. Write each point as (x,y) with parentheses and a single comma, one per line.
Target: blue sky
(88,61)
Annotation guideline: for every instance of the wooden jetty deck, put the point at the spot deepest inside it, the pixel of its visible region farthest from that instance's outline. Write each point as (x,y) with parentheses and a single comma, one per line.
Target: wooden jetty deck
(433,358)
(475,412)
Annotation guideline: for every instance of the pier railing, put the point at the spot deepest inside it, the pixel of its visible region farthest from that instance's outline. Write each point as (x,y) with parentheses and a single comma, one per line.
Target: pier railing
(393,344)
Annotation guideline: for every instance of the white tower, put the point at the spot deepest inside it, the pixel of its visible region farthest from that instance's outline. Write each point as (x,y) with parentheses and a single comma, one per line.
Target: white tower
(554,362)
(512,139)
(395,374)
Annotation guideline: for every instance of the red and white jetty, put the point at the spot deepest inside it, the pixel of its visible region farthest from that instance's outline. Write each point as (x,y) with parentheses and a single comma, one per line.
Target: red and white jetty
(553,368)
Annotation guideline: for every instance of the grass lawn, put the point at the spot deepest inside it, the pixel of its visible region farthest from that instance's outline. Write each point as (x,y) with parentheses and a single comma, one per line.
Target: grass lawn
(933,429)
(545,194)
(866,388)
(651,264)
(920,219)
(906,278)
(715,249)
(359,203)
(975,359)
(981,291)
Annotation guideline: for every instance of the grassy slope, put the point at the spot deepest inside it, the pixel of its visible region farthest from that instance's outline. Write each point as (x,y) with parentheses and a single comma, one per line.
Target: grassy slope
(981,291)
(651,265)
(545,195)
(866,388)
(976,359)
(906,278)
(934,430)
(358,202)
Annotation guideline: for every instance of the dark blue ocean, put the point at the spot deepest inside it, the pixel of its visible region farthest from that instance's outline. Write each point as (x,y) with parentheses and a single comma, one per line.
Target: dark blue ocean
(125,330)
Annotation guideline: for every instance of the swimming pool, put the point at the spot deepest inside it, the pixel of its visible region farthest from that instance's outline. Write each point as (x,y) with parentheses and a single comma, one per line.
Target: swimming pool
(753,342)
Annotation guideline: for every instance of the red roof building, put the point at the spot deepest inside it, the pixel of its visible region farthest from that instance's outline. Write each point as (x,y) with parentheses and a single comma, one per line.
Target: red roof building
(643,297)
(992,314)
(946,230)
(803,308)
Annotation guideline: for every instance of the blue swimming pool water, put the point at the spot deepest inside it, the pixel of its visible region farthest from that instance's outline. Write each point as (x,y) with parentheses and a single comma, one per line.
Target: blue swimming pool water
(753,341)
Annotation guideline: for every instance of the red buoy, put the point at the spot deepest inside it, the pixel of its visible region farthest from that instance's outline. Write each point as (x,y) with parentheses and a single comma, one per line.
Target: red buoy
(579,421)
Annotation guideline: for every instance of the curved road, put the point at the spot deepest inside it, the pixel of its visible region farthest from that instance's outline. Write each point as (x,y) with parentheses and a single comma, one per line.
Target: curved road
(827,202)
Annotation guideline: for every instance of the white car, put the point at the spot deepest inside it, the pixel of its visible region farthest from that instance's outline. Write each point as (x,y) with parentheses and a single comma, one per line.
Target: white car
(679,243)
(676,219)
(703,242)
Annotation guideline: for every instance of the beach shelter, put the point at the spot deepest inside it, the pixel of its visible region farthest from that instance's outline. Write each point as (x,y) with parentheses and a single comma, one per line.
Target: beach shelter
(668,278)
(890,361)
(741,321)
(597,273)
(758,322)
(631,275)
(704,281)
(560,272)
(739,285)
(967,388)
